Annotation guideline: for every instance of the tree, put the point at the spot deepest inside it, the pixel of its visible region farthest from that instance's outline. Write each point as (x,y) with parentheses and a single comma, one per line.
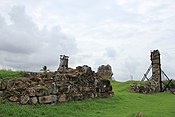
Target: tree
(44,69)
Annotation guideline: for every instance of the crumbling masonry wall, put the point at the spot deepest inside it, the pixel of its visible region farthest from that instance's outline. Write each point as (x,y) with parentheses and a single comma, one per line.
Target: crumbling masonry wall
(55,87)
(154,84)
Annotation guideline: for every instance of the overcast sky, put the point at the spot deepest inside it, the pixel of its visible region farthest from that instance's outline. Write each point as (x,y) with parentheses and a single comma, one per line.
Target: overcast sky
(33,33)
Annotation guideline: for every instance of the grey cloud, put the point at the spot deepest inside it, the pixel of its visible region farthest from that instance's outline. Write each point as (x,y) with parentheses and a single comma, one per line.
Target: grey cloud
(120,34)
(2,23)
(111,53)
(24,46)
(21,20)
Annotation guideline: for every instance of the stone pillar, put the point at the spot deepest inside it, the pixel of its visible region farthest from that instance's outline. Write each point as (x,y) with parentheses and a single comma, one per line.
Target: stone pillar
(156,70)
(63,63)
(105,72)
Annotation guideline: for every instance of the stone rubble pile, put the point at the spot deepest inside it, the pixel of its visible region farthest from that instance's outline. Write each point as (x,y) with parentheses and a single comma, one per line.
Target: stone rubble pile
(53,87)
(146,87)
(143,87)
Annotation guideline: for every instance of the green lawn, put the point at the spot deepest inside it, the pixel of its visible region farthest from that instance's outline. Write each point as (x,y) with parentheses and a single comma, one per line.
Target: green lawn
(122,104)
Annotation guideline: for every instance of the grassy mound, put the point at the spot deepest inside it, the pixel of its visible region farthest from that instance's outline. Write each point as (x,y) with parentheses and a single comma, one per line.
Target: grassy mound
(122,104)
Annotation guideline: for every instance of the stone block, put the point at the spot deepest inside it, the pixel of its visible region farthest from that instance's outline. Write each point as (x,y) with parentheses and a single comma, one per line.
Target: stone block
(78,96)
(31,91)
(13,98)
(3,85)
(24,99)
(48,99)
(33,100)
(103,95)
(53,89)
(62,98)
(41,90)
(86,88)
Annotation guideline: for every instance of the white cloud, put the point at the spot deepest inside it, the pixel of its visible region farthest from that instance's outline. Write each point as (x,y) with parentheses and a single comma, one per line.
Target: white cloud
(24,46)
(119,32)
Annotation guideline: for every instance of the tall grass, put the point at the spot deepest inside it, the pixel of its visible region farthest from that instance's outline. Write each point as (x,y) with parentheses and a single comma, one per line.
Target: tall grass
(122,104)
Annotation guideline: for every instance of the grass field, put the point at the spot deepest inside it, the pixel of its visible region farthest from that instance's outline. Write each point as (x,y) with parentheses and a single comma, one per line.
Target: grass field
(4,74)
(122,104)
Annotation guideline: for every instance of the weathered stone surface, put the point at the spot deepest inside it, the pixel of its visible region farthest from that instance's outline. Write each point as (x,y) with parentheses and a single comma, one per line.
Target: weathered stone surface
(13,98)
(62,98)
(48,99)
(53,89)
(33,100)
(41,90)
(156,70)
(3,84)
(84,70)
(87,70)
(31,91)
(72,84)
(63,63)
(142,87)
(1,93)
(24,99)
(77,96)
(31,74)
(105,71)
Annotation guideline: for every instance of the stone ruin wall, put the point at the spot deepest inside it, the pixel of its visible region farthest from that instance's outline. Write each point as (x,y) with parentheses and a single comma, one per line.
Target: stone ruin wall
(154,84)
(55,87)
